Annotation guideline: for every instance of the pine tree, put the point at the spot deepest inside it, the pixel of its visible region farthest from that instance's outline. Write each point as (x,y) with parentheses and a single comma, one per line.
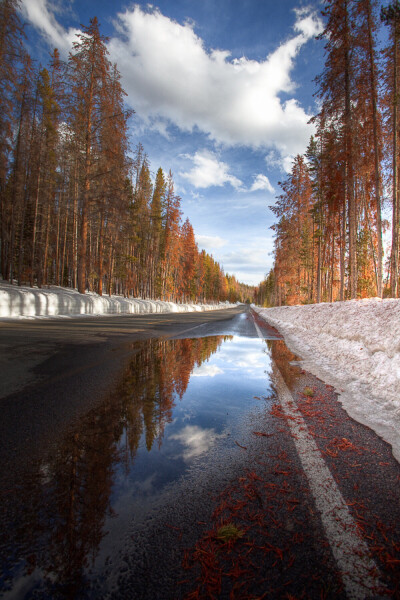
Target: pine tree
(336,86)
(391,17)
(156,232)
(368,97)
(189,255)
(13,59)
(170,241)
(90,76)
(294,250)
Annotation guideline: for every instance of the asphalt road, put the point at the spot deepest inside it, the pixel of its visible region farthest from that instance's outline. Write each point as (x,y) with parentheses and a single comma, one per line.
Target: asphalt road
(55,371)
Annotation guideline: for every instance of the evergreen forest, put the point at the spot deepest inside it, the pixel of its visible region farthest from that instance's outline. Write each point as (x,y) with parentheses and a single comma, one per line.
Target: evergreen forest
(337,219)
(78,205)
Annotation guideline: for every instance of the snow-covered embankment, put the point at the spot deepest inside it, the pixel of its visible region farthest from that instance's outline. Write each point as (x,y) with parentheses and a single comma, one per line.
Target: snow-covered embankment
(354,346)
(26,302)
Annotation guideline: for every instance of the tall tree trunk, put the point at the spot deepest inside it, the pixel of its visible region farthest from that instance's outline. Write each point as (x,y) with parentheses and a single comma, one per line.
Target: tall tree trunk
(82,248)
(82,266)
(332,268)
(16,187)
(342,251)
(61,278)
(57,243)
(111,267)
(349,171)
(100,255)
(377,177)
(75,229)
(34,231)
(319,256)
(12,242)
(22,240)
(46,246)
(394,257)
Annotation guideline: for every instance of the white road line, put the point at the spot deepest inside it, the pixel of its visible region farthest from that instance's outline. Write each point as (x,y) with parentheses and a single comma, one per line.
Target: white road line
(358,570)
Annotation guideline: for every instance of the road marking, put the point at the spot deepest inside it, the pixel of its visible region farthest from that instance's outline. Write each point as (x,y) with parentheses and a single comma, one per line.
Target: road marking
(358,570)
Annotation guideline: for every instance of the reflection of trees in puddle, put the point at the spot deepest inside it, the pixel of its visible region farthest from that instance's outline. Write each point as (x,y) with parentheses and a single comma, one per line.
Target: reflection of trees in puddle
(52,529)
(282,357)
(156,376)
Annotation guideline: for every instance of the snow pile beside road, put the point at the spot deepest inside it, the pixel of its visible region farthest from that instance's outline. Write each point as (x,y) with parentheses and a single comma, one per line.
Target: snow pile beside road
(354,346)
(26,302)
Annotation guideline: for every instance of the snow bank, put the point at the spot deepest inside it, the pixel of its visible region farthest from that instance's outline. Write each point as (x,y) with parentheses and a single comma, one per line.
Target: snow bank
(26,302)
(354,346)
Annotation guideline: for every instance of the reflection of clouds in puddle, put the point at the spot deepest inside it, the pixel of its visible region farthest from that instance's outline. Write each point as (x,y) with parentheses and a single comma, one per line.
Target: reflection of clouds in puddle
(45,473)
(206,370)
(252,359)
(25,584)
(187,416)
(246,354)
(196,440)
(144,487)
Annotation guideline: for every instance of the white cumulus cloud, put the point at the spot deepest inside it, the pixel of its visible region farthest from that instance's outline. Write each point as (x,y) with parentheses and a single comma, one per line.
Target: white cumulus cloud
(210,242)
(172,77)
(41,15)
(307,23)
(208,171)
(168,71)
(261,182)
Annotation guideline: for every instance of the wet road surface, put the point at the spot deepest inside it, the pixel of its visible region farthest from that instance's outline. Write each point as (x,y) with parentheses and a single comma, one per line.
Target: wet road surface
(158,461)
(53,371)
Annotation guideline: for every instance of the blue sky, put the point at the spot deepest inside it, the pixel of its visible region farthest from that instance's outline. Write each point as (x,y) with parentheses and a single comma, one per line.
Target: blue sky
(222,92)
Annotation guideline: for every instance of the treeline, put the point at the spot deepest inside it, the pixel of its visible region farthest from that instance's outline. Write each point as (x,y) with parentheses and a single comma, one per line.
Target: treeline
(76,209)
(329,229)
(265,293)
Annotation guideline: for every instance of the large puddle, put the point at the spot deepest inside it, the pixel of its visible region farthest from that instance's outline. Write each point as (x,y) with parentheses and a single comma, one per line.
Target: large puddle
(179,399)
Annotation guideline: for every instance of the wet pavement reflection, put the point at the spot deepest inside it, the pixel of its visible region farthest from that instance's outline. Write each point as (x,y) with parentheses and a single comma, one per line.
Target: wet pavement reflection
(287,362)
(178,399)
